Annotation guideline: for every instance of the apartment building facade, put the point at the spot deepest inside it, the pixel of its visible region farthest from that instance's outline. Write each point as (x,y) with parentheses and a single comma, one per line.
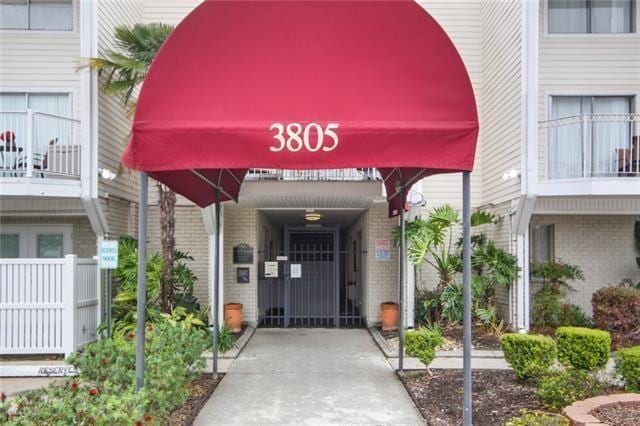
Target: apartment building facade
(556,84)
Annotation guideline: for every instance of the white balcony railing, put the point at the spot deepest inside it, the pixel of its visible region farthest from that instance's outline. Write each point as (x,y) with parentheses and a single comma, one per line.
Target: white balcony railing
(323,175)
(591,145)
(38,144)
(48,306)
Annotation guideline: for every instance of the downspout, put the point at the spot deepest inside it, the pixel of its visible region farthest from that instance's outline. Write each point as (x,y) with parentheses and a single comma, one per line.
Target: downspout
(529,155)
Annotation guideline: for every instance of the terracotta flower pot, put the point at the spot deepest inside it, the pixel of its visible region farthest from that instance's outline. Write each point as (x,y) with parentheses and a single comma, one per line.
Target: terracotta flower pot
(389,316)
(233,316)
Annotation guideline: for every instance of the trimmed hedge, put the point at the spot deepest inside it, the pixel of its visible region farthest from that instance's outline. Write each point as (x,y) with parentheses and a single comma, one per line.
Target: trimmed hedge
(628,366)
(529,355)
(537,418)
(562,388)
(422,344)
(617,310)
(583,348)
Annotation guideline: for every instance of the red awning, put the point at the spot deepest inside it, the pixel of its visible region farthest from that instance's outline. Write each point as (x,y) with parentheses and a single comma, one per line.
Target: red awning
(303,85)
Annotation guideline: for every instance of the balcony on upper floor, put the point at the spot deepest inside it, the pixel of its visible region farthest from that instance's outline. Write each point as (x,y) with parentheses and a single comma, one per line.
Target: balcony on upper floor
(40,154)
(590,154)
(323,175)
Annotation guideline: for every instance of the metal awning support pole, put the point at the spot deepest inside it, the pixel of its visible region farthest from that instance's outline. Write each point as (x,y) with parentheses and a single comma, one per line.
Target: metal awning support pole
(142,279)
(216,289)
(466,295)
(403,249)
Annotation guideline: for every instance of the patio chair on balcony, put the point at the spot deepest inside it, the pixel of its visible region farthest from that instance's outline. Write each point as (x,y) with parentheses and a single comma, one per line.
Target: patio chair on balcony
(629,159)
(8,151)
(40,159)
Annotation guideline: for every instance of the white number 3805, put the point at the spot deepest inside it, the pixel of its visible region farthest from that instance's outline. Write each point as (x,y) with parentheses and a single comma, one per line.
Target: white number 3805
(294,136)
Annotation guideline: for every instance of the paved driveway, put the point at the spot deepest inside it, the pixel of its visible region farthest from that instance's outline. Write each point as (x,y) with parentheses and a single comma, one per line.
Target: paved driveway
(310,376)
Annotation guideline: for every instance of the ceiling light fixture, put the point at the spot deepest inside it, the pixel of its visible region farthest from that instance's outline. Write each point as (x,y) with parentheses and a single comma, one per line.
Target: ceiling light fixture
(312,216)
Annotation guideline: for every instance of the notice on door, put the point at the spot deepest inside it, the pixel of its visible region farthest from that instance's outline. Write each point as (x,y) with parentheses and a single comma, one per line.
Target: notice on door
(296,270)
(271,269)
(383,249)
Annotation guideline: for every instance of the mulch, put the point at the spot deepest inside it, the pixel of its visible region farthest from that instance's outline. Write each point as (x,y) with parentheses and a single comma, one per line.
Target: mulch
(480,338)
(199,392)
(497,396)
(619,414)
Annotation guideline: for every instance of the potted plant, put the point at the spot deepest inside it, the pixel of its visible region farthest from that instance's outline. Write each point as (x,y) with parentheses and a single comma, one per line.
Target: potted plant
(389,316)
(233,316)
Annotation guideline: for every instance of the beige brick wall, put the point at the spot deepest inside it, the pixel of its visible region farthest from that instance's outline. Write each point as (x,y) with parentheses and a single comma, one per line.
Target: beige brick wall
(240,226)
(382,275)
(192,238)
(84,240)
(601,245)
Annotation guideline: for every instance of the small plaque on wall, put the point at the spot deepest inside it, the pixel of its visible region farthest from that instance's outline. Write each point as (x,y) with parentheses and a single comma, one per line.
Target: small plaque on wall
(243,254)
(242,275)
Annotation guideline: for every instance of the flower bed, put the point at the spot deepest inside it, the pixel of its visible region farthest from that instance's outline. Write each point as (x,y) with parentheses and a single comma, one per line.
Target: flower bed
(104,391)
(497,396)
(620,410)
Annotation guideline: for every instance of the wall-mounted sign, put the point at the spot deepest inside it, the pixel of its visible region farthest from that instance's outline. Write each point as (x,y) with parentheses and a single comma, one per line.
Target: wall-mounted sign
(282,258)
(242,275)
(383,249)
(271,269)
(296,270)
(109,254)
(243,254)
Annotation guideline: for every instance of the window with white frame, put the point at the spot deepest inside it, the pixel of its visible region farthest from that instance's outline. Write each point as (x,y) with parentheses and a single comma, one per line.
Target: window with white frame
(541,243)
(607,134)
(35,241)
(56,15)
(591,16)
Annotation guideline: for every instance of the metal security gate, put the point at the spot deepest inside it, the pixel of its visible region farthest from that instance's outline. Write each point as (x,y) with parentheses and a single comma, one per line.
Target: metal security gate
(312,288)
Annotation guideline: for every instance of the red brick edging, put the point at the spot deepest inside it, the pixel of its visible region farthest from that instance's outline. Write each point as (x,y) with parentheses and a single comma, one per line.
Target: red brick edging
(578,412)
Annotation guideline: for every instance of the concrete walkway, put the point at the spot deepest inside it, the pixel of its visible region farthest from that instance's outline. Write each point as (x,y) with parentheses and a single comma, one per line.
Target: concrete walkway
(310,376)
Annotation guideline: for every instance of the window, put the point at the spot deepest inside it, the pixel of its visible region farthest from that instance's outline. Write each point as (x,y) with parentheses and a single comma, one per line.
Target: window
(591,16)
(54,15)
(10,245)
(607,135)
(541,242)
(35,241)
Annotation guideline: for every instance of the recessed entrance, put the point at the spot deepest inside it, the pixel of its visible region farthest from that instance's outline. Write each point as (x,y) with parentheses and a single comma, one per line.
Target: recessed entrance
(318,281)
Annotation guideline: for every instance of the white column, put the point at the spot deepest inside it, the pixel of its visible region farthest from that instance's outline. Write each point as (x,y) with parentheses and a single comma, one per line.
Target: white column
(208,216)
(69,302)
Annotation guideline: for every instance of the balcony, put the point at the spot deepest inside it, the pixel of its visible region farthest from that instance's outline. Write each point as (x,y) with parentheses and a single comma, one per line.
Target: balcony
(37,144)
(324,175)
(590,154)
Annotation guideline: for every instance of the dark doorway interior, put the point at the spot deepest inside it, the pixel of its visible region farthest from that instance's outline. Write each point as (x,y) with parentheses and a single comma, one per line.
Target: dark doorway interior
(319,283)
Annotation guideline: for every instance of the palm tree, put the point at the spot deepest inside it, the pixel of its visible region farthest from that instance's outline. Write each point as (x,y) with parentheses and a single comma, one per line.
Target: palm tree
(123,70)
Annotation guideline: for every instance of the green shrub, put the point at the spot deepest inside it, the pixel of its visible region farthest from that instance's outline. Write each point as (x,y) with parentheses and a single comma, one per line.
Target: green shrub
(560,389)
(422,344)
(104,392)
(537,418)
(529,355)
(574,316)
(617,310)
(628,366)
(583,348)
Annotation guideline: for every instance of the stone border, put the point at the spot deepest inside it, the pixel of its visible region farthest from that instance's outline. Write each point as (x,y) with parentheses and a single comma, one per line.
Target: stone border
(579,412)
(239,346)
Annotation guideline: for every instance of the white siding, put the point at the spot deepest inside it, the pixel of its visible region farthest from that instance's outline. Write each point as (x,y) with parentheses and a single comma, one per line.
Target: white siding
(34,60)
(168,11)
(114,124)
(460,21)
(501,112)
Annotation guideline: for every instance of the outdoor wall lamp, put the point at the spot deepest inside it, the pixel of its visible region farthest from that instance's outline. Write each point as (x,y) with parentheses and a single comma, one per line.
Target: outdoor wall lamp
(107,174)
(511,174)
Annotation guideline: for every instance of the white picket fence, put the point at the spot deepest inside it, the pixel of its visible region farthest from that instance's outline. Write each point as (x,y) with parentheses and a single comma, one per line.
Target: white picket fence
(48,306)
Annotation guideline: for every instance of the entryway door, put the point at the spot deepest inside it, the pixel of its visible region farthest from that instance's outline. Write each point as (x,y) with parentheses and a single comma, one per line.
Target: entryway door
(311,289)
